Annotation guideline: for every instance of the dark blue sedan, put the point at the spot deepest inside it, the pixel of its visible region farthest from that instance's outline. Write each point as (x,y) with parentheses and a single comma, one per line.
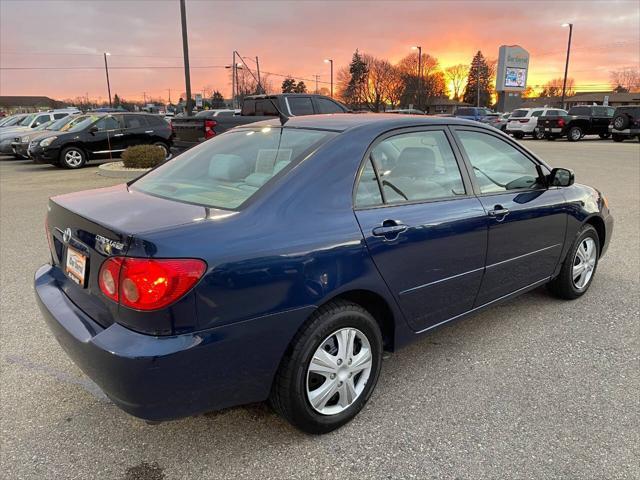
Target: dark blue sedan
(279,261)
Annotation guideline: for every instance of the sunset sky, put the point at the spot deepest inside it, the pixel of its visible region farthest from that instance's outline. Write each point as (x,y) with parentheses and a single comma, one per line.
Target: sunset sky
(294,38)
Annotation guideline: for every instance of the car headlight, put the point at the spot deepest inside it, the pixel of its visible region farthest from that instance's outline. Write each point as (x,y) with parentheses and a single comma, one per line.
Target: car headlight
(24,139)
(47,141)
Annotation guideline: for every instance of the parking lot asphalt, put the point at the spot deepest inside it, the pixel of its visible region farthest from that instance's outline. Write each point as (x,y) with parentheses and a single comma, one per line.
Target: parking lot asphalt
(535,388)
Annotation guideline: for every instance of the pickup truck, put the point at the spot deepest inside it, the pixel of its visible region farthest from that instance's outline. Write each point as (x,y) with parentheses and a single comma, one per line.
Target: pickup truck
(190,131)
(580,121)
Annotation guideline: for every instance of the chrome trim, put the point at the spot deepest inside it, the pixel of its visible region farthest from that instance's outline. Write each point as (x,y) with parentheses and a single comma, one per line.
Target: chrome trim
(148,131)
(531,285)
(107,151)
(525,255)
(409,290)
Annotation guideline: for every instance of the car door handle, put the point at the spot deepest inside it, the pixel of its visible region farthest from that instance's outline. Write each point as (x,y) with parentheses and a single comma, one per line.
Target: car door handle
(389,229)
(499,212)
(119,135)
(148,131)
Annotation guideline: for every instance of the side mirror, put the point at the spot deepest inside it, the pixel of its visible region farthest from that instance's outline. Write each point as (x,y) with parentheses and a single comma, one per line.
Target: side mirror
(561,177)
(93,129)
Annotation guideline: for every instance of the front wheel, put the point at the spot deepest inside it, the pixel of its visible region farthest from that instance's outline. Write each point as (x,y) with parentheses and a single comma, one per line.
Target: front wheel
(331,369)
(72,157)
(574,134)
(579,266)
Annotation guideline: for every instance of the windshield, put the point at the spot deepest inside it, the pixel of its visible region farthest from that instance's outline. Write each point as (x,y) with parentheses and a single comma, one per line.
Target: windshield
(13,121)
(80,123)
(27,120)
(58,124)
(226,171)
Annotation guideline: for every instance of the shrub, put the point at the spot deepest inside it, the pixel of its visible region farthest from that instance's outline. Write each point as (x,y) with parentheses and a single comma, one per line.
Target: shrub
(142,156)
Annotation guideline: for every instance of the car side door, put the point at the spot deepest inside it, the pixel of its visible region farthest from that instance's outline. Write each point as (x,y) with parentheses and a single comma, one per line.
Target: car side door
(601,119)
(527,219)
(105,136)
(424,228)
(136,131)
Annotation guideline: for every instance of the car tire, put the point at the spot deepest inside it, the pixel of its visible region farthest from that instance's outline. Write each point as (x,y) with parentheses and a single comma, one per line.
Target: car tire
(295,382)
(165,148)
(538,134)
(518,135)
(617,137)
(72,158)
(620,121)
(567,285)
(604,136)
(574,134)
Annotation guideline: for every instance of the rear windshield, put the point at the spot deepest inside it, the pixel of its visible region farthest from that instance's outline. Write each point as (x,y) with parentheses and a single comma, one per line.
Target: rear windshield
(519,113)
(228,170)
(465,111)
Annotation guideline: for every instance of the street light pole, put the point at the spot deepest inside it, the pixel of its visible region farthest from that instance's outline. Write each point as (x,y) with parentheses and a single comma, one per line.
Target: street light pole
(419,90)
(185,54)
(566,65)
(106,69)
(330,61)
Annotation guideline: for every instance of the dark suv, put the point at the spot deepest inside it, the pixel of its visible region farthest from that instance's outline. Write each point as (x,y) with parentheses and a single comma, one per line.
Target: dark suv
(625,123)
(100,136)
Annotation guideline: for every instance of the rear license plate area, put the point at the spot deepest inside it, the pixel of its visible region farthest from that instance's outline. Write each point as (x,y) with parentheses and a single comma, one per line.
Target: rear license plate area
(75,266)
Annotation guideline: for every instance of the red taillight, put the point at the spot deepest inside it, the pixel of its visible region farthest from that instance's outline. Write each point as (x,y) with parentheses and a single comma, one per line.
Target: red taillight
(148,284)
(561,122)
(209,125)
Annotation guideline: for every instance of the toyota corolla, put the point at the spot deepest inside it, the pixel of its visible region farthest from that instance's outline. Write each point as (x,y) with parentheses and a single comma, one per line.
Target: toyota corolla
(278,260)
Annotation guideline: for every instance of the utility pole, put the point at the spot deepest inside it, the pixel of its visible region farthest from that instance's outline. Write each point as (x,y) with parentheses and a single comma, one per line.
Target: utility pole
(169,90)
(234,74)
(185,54)
(316,75)
(260,89)
(566,65)
(106,69)
(144,96)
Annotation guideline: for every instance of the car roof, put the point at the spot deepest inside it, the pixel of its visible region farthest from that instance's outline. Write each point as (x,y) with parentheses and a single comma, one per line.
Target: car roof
(341,122)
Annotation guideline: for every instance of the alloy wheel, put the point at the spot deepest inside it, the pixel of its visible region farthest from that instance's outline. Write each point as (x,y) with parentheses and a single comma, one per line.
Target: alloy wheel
(584,263)
(338,371)
(73,158)
(576,134)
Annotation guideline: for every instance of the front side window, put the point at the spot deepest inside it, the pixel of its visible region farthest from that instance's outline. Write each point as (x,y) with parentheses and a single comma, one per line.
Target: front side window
(227,170)
(300,105)
(107,123)
(537,113)
(26,121)
(40,120)
(580,111)
(416,166)
(497,165)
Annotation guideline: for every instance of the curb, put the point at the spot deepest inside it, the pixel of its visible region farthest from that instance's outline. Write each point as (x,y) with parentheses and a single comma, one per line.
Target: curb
(107,170)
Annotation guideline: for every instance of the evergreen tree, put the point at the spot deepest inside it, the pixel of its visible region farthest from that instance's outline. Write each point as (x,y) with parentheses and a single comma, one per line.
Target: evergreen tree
(478,82)
(217,100)
(116,101)
(355,91)
(288,85)
(300,87)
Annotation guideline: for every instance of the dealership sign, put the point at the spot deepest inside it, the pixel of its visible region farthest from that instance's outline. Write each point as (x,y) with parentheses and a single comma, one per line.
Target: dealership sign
(513,66)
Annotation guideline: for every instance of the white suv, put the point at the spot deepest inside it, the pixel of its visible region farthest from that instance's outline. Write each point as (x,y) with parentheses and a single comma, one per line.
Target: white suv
(524,121)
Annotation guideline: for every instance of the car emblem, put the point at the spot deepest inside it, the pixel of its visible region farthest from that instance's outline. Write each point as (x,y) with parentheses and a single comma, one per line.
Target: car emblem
(66,236)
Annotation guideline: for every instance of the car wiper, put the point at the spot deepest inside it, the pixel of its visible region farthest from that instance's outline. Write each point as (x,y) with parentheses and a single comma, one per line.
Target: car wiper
(490,179)
(395,189)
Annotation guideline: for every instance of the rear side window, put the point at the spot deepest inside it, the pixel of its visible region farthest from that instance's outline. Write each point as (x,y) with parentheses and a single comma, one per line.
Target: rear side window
(155,121)
(328,106)
(134,121)
(368,192)
(412,167)
(580,111)
(519,114)
(537,113)
(229,169)
(300,105)
(633,111)
(266,107)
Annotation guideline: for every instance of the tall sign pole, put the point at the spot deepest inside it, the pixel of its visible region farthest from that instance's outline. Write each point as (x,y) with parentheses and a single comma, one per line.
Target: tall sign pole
(566,65)
(185,54)
(106,69)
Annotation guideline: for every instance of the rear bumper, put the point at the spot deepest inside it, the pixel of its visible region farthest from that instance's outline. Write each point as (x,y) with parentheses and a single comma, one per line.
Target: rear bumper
(521,127)
(162,378)
(630,132)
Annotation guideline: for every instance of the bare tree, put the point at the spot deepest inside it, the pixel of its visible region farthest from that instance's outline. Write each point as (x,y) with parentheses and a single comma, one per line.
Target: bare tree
(553,88)
(628,78)
(457,76)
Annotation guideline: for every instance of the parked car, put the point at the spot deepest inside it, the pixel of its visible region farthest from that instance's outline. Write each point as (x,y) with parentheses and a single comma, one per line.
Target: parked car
(497,120)
(12,120)
(407,111)
(625,123)
(20,144)
(189,131)
(524,121)
(278,261)
(29,122)
(580,121)
(472,113)
(100,136)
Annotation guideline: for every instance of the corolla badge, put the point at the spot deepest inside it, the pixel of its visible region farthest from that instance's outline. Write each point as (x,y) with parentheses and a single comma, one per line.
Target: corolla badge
(66,236)
(107,245)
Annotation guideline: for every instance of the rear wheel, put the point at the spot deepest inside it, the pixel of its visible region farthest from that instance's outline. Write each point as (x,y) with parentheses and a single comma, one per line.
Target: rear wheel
(538,134)
(574,134)
(73,157)
(331,369)
(579,266)
(165,149)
